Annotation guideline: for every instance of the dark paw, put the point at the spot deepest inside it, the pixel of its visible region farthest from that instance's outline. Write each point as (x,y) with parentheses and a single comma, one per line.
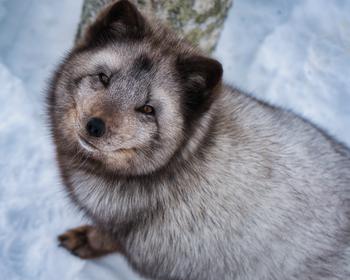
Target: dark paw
(77,242)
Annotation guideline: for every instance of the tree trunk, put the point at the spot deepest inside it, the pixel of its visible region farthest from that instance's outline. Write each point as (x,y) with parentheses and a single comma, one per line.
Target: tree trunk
(199,21)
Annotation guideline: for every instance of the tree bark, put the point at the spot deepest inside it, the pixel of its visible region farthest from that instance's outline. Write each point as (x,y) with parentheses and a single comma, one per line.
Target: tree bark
(199,21)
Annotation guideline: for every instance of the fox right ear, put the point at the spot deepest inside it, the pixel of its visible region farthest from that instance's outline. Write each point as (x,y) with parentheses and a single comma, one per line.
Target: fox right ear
(121,20)
(199,76)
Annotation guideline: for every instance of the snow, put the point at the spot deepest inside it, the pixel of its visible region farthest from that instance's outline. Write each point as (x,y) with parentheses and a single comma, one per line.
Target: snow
(292,53)
(295,54)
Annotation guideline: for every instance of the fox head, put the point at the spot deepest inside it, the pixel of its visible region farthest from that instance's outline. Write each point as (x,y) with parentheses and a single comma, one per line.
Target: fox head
(129,94)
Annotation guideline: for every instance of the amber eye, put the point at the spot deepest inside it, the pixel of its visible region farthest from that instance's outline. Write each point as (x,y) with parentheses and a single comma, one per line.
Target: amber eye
(146,109)
(104,79)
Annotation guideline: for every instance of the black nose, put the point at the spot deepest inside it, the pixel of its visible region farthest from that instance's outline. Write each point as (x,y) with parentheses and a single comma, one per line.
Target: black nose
(96,127)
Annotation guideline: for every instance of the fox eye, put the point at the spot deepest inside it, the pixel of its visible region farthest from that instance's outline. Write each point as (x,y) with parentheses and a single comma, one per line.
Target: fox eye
(146,109)
(104,79)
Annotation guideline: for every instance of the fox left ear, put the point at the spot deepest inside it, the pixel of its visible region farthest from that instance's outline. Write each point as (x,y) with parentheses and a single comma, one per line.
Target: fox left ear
(123,17)
(200,76)
(120,21)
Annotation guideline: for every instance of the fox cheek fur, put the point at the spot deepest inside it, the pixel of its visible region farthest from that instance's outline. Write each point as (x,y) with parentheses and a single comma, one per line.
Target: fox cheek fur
(188,177)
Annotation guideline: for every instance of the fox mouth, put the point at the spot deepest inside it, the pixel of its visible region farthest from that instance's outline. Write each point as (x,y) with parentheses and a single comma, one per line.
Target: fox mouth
(86,144)
(92,148)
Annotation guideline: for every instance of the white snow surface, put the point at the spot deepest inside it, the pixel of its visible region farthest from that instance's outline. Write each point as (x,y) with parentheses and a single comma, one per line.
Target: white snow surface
(295,54)
(292,53)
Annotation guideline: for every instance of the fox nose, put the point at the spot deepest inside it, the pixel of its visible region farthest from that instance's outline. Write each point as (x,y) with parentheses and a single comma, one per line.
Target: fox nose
(96,127)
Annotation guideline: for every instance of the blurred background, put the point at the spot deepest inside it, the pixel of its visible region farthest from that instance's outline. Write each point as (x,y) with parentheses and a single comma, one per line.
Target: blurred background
(292,53)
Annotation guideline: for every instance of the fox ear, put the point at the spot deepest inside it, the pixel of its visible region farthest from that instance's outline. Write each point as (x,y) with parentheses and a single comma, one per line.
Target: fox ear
(120,20)
(200,76)
(123,17)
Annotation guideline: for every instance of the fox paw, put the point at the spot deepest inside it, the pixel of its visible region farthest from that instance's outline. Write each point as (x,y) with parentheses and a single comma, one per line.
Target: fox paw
(86,242)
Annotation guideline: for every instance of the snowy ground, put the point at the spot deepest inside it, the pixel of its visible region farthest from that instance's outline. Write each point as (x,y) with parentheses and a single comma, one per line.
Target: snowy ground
(293,53)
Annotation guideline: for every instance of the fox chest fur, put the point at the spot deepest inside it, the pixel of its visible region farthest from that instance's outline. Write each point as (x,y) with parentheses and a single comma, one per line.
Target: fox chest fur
(194,179)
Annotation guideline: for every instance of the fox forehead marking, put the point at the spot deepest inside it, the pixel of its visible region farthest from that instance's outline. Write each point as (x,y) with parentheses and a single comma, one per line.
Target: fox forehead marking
(91,61)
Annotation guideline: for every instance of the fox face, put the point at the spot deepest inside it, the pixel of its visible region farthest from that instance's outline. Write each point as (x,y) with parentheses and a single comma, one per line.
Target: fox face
(126,97)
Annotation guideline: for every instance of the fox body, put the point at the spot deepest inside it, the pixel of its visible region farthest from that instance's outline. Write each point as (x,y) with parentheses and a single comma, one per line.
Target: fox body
(192,179)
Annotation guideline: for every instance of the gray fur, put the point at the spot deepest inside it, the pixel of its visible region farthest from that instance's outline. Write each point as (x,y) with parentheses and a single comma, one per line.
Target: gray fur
(248,191)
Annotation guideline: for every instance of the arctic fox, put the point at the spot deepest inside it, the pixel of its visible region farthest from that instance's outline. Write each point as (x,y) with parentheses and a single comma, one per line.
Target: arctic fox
(186,176)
